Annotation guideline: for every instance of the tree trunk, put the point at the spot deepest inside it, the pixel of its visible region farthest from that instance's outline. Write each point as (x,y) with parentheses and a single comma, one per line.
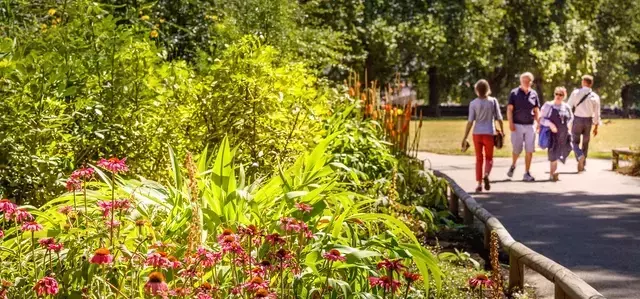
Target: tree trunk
(434,92)
(626,100)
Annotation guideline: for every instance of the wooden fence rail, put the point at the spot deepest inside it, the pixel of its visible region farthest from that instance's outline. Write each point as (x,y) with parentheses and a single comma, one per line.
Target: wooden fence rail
(567,284)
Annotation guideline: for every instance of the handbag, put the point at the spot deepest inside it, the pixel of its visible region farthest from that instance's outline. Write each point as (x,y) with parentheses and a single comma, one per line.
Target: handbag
(498,139)
(544,140)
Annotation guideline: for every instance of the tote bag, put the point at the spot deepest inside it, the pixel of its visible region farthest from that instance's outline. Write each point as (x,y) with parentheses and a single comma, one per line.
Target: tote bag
(544,140)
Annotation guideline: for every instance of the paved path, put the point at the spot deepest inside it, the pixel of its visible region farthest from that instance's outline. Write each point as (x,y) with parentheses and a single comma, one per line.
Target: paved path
(588,222)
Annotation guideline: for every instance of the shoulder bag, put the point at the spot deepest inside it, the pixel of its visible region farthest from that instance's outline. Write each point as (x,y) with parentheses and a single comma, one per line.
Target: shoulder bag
(573,109)
(498,139)
(544,140)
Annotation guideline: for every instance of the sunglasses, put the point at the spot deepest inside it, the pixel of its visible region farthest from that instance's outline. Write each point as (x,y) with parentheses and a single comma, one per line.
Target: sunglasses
(560,94)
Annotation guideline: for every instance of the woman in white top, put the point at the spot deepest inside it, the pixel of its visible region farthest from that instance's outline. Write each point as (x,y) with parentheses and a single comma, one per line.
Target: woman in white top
(557,116)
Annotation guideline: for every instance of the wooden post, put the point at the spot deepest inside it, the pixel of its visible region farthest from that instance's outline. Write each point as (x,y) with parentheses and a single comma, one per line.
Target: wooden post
(468,216)
(487,237)
(516,273)
(614,160)
(559,293)
(453,202)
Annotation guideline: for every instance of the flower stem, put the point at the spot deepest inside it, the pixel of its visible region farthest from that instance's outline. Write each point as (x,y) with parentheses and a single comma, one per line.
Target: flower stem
(113,200)
(406,293)
(326,283)
(75,206)
(20,253)
(84,192)
(33,255)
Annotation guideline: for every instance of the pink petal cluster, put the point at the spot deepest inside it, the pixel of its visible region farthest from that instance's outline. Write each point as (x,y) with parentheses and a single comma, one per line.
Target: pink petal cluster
(156,285)
(1,234)
(230,244)
(480,280)
(65,210)
(84,173)
(102,256)
(256,283)
(385,282)
(208,258)
(31,226)
(334,256)
(391,265)
(303,207)
(114,165)
(73,184)
(158,260)
(7,207)
(275,239)
(46,286)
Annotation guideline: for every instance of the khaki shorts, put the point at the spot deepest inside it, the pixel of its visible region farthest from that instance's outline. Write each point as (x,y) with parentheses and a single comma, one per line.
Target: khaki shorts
(523,136)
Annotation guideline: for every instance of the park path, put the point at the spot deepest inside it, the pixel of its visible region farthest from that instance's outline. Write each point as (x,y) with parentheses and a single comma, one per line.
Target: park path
(588,222)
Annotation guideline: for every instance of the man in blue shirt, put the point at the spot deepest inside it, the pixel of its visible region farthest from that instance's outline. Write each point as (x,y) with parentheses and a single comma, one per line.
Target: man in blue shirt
(522,111)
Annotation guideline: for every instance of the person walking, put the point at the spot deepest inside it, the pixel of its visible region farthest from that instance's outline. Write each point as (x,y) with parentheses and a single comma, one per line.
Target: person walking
(484,111)
(522,111)
(557,116)
(586,109)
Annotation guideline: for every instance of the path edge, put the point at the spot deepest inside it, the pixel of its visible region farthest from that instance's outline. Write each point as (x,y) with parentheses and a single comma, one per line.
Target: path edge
(567,284)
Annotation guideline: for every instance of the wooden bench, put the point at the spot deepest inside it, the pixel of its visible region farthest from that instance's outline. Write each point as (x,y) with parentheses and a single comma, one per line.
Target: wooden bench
(616,153)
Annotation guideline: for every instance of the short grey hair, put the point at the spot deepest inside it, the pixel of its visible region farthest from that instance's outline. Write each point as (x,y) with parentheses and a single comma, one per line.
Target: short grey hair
(527,75)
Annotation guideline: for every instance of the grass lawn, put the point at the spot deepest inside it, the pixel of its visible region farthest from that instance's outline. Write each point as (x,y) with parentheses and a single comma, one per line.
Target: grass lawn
(443,136)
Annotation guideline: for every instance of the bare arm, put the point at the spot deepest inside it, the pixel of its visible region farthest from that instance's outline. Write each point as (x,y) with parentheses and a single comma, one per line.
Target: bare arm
(467,130)
(536,116)
(596,118)
(501,124)
(512,126)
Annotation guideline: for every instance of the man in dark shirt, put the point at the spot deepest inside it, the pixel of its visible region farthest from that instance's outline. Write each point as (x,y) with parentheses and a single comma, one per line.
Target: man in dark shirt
(522,112)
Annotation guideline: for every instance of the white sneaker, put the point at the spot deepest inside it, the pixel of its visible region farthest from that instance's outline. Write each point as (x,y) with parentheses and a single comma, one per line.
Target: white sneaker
(528,178)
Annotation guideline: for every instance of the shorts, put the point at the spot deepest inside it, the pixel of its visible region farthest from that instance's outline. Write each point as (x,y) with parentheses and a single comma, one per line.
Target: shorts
(523,135)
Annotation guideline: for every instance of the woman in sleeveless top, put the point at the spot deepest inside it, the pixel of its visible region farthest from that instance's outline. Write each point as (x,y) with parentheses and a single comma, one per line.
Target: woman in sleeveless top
(483,111)
(557,116)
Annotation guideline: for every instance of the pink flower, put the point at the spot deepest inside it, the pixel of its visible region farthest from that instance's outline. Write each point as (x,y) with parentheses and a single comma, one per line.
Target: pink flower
(385,282)
(158,260)
(290,224)
(31,226)
(122,204)
(45,242)
(1,234)
(230,244)
(55,247)
(102,256)
(283,254)
(105,207)
(303,207)
(480,280)
(189,273)
(112,224)
(203,296)
(20,215)
(256,283)
(264,293)
(411,277)
(334,255)
(73,184)
(251,230)
(208,258)
(46,286)
(114,165)
(156,285)
(275,239)
(174,263)
(180,292)
(225,233)
(65,210)
(84,173)
(391,265)
(7,206)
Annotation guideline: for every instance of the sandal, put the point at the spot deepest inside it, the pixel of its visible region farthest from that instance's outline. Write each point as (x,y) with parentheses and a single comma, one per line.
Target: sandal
(487,183)
(479,189)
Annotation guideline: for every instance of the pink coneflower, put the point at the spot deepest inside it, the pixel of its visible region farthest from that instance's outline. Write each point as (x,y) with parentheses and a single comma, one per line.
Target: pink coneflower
(65,210)
(102,256)
(31,226)
(46,286)
(189,273)
(203,296)
(334,255)
(180,292)
(112,224)
(158,260)
(174,263)
(411,277)
(7,206)
(275,239)
(257,271)
(105,207)
(391,265)
(283,254)
(85,173)
(1,234)
(208,258)
(256,283)
(290,224)
(230,245)
(45,242)
(303,207)
(264,293)
(251,230)
(156,285)
(114,165)
(122,205)
(480,281)
(225,233)
(385,282)
(20,215)
(73,184)
(55,247)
